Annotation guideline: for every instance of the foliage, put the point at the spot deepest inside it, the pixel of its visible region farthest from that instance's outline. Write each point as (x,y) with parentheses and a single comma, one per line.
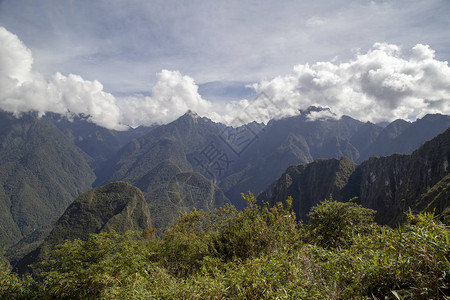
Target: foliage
(335,224)
(80,269)
(14,287)
(412,261)
(258,230)
(258,253)
(228,235)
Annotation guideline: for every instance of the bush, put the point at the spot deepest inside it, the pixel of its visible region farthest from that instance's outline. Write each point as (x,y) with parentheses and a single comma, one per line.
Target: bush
(187,242)
(281,275)
(334,224)
(411,261)
(14,287)
(258,253)
(228,234)
(82,269)
(414,259)
(258,230)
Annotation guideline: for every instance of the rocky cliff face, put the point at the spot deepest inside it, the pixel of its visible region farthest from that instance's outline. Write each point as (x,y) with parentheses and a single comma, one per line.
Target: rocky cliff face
(390,184)
(380,183)
(308,184)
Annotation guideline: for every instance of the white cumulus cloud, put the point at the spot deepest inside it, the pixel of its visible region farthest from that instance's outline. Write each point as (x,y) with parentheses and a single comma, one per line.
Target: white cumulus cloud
(171,96)
(380,85)
(15,58)
(23,90)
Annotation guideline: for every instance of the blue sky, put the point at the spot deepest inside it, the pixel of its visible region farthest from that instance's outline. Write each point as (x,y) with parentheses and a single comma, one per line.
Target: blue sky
(221,45)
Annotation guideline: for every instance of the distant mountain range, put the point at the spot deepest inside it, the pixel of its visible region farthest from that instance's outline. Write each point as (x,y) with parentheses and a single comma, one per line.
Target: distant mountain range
(47,162)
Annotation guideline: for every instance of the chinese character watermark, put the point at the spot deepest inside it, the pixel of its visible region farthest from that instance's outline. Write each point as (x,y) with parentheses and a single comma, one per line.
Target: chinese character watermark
(239,138)
(214,158)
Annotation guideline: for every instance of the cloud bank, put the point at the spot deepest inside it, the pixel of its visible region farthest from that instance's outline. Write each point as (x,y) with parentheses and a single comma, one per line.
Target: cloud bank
(380,85)
(23,90)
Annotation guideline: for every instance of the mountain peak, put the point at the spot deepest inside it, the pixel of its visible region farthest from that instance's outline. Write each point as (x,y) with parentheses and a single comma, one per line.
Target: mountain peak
(434,117)
(193,118)
(317,113)
(192,114)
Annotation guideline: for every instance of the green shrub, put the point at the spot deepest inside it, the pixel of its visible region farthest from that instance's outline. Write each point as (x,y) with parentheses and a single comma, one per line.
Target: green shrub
(334,224)
(187,242)
(258,253)
(258,230)
(83,269)
(228,235)
(14,287)
(415,258)
(281,275)
(411,261)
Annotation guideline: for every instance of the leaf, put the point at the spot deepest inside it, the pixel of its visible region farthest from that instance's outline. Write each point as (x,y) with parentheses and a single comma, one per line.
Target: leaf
(397,295)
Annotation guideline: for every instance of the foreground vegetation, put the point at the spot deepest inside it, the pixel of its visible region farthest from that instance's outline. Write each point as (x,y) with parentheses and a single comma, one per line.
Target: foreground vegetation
(258,253)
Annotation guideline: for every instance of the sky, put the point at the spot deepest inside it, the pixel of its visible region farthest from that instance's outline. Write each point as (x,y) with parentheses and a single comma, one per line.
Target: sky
(131,63)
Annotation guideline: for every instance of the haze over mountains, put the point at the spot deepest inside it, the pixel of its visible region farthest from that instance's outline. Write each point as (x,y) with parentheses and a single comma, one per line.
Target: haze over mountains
(194,162)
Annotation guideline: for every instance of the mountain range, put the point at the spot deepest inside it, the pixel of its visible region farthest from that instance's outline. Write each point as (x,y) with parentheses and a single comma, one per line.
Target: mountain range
(193,162)
(390,185)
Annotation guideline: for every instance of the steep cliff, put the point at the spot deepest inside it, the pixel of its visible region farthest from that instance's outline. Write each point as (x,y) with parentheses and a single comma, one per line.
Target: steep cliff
(310,183)
(388,184)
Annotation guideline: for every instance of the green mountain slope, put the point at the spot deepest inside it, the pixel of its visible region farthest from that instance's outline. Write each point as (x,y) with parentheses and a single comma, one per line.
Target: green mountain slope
(436,198)
(41,172)
(117,206)
(98,142)
(181,193)
(161,164)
